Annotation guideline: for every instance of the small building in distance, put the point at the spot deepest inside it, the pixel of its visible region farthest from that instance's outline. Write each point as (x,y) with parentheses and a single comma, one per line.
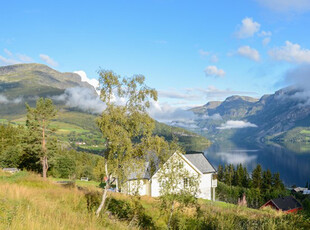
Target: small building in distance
(286,204)
(299,189)
(11,170)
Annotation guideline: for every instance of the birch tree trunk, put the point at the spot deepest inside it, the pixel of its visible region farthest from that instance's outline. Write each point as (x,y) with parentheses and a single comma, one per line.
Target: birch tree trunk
(105,191)
(171,213)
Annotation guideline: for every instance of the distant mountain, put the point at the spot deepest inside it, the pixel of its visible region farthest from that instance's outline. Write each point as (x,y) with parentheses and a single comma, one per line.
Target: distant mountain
(77,102)
(274,115)
(26,82)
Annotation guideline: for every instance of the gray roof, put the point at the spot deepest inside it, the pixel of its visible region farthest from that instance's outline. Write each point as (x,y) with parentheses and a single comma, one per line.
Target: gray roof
(200,162)
(141,173)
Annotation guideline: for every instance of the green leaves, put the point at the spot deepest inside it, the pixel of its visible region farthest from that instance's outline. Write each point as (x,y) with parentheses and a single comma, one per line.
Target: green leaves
(124,123)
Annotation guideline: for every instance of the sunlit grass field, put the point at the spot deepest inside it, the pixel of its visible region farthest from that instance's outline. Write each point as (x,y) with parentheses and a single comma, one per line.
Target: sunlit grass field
(29,202)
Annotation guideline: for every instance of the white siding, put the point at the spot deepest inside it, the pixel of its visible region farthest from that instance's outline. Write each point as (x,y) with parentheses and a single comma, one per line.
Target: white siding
(134,186)
(204,185)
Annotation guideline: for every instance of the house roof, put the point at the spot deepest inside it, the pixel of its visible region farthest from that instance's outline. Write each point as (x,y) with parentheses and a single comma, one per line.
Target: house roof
(141,172)
(286,203)
(299,189)
(200,162)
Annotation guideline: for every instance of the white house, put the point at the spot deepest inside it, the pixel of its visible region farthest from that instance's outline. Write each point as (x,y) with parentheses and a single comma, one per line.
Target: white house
(196,164)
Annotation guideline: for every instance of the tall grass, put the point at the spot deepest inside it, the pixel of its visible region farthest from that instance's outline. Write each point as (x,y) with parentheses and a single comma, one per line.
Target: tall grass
(29,202)
(32,203)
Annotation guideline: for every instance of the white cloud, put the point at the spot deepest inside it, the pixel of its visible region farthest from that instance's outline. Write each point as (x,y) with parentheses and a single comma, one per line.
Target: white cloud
(5,100)
(299,79)
(13,59)
(164,112)
(172,115)
(48,60)
(94,82)
(248,28)
(266,41)
(265,33)
(214,71)
(24,58)
(214,58)
(215,117)
(236,125)
(203,52)
(248,52)
(213,93)
(174,94)
(9,53)
(286,5)
(8,61)
(83,99)
(291,53)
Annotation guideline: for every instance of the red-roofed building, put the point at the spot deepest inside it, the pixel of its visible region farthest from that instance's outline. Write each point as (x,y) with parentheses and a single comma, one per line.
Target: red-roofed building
(286,204)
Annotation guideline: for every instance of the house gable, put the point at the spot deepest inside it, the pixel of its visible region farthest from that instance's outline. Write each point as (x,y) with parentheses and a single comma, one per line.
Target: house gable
(180,156)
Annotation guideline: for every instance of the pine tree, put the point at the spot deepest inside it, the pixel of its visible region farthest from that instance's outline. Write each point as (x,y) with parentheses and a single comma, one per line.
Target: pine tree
(229,173)
(267,180)
(38,119)
(276,182)
(245,179)
(220,173)
(239,175)
(257,177)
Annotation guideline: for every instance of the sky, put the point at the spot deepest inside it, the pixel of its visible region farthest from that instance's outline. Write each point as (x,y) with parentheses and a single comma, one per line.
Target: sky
(192,52)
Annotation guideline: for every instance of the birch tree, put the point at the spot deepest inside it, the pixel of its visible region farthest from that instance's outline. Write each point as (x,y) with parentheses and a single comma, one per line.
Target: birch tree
(124,124)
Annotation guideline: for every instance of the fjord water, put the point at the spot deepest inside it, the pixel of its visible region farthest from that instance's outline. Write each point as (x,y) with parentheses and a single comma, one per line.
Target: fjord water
(291,161)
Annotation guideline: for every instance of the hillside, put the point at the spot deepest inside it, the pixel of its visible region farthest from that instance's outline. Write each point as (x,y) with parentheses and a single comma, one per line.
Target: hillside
(29,202)
(272,114)
(77,102)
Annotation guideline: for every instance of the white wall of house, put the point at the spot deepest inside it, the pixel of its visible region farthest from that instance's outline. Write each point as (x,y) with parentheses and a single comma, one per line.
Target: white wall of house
(152,187)
(205,186)
(140,186)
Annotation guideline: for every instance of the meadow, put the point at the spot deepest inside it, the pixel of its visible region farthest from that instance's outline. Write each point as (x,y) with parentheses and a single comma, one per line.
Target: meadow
(29,202)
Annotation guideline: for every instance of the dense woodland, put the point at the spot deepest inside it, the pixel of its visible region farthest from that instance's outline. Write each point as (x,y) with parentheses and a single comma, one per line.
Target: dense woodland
(259,186)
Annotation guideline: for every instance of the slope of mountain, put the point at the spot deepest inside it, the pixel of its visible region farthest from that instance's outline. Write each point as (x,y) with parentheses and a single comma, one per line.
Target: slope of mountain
(272,114)
(24,83)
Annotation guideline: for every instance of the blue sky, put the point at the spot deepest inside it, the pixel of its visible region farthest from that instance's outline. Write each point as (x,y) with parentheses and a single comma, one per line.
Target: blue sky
(190,51)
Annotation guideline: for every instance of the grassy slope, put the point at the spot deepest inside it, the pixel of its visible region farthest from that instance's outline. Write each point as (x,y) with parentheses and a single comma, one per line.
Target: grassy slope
(29,202)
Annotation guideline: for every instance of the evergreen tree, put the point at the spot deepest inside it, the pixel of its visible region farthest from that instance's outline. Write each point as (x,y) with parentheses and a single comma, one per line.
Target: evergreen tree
(267,180)
(38,119)
(257,177)
(220,173)
(245,179)
(229,174)
(276,182)
(239,175)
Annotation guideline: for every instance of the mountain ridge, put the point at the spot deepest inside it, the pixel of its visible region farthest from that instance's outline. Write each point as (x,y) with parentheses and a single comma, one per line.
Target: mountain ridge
(274,114)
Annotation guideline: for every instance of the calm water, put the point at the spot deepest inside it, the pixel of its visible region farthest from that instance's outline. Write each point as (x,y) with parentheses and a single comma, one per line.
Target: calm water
(292,162)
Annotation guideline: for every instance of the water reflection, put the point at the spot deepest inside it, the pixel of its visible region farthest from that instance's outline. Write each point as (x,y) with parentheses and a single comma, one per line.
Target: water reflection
(293,166)
(236,157)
